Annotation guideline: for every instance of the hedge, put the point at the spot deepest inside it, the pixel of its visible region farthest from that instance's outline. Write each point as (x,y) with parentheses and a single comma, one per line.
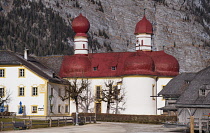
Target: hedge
(147,119)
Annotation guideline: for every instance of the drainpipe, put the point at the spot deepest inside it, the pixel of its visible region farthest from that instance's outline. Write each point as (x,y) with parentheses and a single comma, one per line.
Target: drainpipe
(156,79)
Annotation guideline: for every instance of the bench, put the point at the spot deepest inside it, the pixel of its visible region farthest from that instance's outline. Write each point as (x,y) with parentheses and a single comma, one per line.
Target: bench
(19,125)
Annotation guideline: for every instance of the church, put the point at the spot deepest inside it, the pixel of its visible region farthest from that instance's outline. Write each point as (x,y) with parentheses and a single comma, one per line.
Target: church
(139,76)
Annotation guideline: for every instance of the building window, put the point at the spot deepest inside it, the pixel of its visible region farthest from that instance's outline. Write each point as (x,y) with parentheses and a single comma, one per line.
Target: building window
(98,92)
(21,91)
(113,68)
(51,91)
(153,92)
(2,73)
(2,92)
(66,108)
(83,46)
(95,68)
(21,72)
(142,42)
(34,91)
(116,92)
(66,92)
(59,108)
(203,92)
(34,109)
(59,92)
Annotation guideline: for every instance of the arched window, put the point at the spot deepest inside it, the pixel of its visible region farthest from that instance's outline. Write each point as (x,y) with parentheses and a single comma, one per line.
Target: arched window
(83,46)
(142,42)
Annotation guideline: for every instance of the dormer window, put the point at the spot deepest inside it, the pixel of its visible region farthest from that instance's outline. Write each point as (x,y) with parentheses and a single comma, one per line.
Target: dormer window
(113,68)
(95,68)
(202,92)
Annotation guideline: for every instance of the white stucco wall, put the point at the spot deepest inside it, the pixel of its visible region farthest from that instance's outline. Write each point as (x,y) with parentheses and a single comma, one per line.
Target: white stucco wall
(93,82)
(11,82)
(161,82)
(138,92)
(56,100)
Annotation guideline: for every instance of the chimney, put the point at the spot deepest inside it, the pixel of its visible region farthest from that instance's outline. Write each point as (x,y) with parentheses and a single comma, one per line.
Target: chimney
(26,54)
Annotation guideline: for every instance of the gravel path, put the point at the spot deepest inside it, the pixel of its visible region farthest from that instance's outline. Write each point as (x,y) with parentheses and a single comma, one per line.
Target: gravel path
(103,127)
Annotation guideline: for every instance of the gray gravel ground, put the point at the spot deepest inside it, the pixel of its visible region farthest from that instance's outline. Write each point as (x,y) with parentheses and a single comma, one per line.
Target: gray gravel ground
(104,127)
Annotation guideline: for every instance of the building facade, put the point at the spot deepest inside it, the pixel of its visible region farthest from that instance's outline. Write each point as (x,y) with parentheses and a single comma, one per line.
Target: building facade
(32,89)
(141,73)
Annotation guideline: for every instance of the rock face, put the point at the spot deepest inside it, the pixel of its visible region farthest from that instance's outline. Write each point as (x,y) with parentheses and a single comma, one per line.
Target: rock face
(181,27)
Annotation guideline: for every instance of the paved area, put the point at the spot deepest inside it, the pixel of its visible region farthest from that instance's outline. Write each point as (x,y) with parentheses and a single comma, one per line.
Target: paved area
(103,127)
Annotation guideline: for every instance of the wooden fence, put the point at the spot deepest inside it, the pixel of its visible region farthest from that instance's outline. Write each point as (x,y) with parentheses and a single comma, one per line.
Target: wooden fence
(37,122)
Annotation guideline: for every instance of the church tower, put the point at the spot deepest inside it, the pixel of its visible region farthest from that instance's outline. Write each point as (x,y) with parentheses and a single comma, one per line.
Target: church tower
(143,32)
(80,25)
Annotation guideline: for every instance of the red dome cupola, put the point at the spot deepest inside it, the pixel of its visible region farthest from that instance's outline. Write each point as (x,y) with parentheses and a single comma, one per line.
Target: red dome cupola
(80,25)
(165,64)
(139,63)
(75,66)
(143,26)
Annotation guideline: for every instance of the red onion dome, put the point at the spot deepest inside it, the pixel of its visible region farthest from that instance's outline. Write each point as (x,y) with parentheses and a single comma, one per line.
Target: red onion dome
(139,64)
(165,64)
(143,26)
(80,25)
(75,66)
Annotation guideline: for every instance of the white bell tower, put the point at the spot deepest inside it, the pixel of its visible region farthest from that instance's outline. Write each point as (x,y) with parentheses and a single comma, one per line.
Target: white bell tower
(80,25)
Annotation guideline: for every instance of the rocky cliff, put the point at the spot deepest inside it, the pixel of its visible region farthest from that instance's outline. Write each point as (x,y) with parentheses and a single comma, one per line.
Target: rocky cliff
(181,27)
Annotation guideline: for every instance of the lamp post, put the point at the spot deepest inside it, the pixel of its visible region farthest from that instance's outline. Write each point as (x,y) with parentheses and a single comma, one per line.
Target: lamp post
(50,98)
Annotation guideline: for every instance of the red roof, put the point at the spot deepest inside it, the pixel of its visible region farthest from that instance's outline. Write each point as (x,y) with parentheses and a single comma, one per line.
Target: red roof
(143,26)
(80,25)
(118,64)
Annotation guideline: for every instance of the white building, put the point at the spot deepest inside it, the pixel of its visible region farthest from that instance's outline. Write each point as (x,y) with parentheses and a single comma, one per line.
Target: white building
(29,82)
(142,73)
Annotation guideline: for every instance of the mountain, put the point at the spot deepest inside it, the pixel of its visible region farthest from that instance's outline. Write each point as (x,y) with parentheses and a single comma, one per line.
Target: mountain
(181,27)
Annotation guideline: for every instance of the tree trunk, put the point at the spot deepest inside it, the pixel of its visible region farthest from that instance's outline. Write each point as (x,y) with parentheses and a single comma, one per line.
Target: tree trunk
(77,104)
(108,107)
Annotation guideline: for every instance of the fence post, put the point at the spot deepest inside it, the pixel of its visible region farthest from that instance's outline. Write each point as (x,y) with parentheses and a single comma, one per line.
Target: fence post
(207,128)
(94,119)
(191,124)
(2,126)
(200,125)
(65,121)
(84,119)
(58,122)
(24,122)
(90,120)
(30,123)
(50,122)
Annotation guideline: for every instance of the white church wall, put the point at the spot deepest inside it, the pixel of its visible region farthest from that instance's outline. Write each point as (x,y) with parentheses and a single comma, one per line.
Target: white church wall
(93,82)
(138,92)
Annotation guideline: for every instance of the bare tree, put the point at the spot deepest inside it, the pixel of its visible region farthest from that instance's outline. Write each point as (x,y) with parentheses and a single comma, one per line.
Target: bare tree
(85,100)
(111,94)
(5,97)
(75,90)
